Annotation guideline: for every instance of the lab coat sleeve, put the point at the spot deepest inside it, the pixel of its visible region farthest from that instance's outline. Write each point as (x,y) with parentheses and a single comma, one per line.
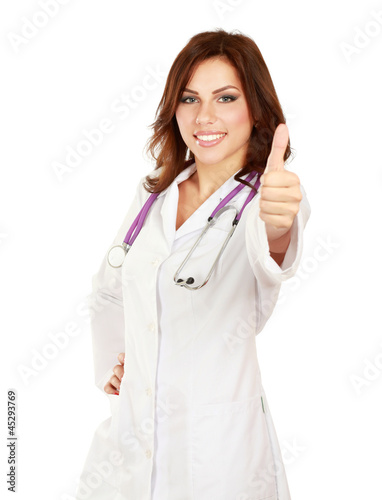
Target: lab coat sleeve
(268,274)
(105,303)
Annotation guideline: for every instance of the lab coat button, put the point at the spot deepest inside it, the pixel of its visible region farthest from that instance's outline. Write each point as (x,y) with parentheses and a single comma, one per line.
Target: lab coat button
(152,327)
(148,453)
(155,262)
(149,391)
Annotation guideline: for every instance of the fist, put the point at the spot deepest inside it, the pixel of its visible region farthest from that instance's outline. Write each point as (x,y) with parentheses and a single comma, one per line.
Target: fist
(280,193)
(114,384)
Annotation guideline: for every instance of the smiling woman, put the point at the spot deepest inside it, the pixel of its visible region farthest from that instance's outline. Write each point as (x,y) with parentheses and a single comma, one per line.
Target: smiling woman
(218,80)
(190,418)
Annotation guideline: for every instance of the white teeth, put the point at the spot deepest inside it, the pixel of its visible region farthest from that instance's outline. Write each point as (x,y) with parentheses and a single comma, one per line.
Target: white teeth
(210,137)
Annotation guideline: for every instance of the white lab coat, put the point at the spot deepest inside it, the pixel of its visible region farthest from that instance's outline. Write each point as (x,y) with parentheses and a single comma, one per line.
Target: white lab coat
(191,421)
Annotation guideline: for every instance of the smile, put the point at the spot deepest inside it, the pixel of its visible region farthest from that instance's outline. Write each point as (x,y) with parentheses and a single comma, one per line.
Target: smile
(209,140)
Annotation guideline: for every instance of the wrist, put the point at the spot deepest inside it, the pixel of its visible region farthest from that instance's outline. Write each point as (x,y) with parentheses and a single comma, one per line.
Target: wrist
(278,239)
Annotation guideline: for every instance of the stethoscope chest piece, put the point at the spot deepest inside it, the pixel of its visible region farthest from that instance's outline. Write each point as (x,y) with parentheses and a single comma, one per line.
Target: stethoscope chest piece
(116,255)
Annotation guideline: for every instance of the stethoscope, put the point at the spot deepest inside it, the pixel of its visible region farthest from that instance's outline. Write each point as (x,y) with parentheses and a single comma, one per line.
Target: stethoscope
(117,253)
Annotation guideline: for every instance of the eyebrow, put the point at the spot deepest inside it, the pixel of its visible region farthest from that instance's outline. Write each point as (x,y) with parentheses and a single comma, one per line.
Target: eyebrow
(214,92)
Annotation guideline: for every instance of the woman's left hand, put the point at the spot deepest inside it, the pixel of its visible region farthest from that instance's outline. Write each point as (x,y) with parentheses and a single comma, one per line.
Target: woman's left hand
(280,193)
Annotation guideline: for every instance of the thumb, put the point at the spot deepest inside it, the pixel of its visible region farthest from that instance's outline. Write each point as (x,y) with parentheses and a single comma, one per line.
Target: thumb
(279,144)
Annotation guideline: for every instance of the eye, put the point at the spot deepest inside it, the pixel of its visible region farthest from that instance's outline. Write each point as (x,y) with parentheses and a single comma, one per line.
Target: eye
(229,97)
(187,100)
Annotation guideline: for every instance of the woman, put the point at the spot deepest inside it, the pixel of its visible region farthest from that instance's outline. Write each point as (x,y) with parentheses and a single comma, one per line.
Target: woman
(190,418)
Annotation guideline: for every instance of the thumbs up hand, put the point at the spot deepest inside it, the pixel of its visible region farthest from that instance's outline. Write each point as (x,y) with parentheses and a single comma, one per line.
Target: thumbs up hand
(280,193)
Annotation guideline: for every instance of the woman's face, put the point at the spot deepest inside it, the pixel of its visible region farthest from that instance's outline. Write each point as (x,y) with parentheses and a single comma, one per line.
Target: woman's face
(213,116)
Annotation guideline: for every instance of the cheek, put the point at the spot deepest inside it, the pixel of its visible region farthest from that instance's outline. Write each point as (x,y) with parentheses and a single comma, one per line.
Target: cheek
(182,119)
(184,129)
(240,118)
(238,121)
(178,117)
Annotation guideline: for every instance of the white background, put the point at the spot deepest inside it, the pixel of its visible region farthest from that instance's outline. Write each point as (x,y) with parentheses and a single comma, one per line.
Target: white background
(318,350)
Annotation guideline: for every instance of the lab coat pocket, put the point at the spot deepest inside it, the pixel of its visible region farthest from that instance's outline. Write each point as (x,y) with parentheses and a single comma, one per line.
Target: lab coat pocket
(231,452)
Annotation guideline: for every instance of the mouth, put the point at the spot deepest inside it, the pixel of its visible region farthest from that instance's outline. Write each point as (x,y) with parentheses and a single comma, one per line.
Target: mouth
(208,140)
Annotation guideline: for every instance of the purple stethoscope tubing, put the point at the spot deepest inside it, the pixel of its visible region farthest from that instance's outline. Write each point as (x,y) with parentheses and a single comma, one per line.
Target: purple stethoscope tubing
(210,222)
(117,253)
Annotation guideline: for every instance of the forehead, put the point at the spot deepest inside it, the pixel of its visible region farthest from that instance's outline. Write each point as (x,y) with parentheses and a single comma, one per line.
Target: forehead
(214,73)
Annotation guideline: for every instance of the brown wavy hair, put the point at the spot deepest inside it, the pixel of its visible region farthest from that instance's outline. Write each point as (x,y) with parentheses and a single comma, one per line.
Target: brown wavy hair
(166,144)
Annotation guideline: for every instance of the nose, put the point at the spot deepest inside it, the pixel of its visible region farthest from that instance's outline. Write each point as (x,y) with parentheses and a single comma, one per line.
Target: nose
(206,114)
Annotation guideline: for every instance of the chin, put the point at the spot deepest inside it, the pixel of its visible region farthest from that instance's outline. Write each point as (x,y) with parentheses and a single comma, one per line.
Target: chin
(213,159)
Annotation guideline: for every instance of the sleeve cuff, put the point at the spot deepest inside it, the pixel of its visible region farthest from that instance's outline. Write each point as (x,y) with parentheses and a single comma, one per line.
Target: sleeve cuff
(258,247)
(103,381)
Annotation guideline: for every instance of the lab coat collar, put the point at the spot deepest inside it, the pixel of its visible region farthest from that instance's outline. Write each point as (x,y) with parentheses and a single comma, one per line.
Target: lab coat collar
(184,174)
(198,219)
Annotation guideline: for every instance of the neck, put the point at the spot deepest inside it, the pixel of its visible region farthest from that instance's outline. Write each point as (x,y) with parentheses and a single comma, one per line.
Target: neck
(208,178)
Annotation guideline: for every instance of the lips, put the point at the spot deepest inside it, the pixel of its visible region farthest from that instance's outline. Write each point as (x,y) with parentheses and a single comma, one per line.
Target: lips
(208,138)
